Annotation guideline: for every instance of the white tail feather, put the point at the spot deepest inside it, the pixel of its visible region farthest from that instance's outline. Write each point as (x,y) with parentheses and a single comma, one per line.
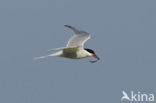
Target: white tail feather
(59,53)
(41,57)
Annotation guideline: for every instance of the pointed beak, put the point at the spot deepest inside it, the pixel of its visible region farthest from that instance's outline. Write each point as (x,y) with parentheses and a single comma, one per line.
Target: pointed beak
(95,56)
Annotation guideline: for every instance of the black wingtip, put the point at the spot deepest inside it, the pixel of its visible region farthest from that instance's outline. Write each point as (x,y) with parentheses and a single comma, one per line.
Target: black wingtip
(68,26)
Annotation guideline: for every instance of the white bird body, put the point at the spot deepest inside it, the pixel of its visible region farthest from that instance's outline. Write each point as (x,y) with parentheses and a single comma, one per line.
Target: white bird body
(69,53)
(74,48)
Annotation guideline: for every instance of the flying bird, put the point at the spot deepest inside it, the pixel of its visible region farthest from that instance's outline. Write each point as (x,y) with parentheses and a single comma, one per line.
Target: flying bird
(74,48)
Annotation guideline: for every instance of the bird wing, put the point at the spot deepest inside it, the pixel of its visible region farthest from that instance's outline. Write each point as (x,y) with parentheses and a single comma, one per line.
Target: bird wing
(56,49)
(79,37)
(62,48)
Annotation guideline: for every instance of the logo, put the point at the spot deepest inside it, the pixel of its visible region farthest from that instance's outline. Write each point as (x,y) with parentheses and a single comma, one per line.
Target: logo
(137,96)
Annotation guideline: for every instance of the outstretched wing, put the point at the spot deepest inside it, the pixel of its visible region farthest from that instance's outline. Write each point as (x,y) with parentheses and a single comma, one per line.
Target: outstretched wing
(79,37)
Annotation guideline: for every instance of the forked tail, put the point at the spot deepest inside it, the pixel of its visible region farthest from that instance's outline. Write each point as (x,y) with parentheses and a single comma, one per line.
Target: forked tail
(41,57)
(57,54)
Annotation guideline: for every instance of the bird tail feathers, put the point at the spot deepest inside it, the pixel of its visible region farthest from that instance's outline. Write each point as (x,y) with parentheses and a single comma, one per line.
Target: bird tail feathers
(41,57)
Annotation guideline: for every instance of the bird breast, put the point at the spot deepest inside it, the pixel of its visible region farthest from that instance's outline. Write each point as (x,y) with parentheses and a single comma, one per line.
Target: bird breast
(82,54)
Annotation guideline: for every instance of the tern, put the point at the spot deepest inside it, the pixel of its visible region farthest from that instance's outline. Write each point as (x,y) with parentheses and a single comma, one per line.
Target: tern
(74,48)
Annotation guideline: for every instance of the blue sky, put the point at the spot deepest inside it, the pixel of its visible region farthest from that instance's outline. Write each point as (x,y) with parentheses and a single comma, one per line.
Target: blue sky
(123,36)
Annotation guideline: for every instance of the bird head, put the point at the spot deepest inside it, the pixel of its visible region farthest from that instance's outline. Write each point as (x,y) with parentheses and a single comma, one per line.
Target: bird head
(92,54)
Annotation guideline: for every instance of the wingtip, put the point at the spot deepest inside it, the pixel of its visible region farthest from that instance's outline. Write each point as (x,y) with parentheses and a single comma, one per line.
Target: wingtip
(67,26)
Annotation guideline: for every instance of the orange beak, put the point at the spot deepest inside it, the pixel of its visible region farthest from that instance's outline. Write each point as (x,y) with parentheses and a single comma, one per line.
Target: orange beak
(94,56)
(97,58)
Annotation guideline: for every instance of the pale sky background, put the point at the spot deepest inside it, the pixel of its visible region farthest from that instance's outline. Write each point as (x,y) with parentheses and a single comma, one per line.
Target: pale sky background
(123,36)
